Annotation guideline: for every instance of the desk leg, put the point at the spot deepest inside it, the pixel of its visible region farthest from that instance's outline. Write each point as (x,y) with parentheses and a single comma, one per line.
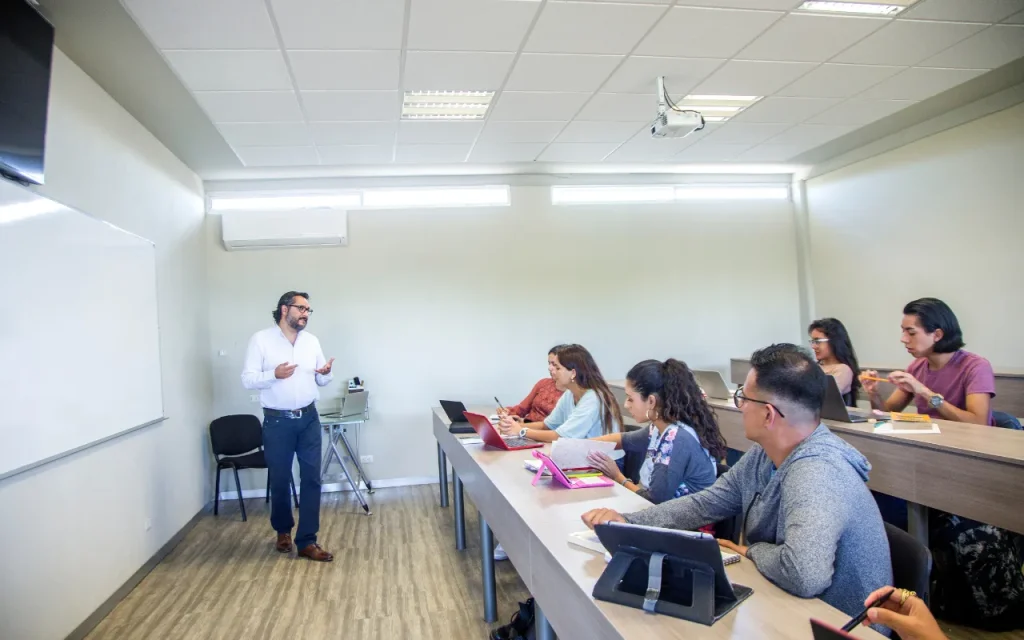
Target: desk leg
(442,474)
(487,557)
(460,514)
(917,522)
(541,627)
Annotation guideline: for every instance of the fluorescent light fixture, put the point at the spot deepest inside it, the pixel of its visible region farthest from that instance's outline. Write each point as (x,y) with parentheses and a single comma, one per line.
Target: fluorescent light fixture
(725,99)
(491,196)
(717,108)
(865,8)
(732,192)
(446,105)
(612,194)
(24,210)
(285,203)
(649,194)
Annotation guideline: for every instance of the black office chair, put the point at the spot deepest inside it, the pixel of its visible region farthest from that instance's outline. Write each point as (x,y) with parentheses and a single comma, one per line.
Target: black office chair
(238,444)
(911,562)
(1006,421)
(728,529)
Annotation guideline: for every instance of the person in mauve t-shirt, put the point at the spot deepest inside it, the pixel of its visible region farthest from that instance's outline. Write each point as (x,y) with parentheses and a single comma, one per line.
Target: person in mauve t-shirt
(944,381)
(541,400)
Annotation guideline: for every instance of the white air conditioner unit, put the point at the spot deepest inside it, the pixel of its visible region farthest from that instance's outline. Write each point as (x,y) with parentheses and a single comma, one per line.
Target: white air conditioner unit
(284,229)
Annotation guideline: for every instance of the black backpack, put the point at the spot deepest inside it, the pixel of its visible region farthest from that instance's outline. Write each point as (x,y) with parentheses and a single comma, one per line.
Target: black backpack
(978,575)
(520,627)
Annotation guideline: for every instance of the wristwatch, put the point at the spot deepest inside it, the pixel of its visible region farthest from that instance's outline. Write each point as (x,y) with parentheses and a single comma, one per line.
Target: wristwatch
(936,400)
(522,432)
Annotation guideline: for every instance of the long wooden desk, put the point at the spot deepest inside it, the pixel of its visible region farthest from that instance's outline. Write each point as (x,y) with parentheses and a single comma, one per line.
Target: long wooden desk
(533,524)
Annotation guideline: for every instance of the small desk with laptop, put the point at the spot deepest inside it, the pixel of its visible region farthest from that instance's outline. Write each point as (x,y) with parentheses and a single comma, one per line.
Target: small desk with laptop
(534,523)
(353,413)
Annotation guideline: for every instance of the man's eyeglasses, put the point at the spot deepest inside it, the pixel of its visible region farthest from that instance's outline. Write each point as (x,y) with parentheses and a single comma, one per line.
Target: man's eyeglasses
(302,309)
(739,399)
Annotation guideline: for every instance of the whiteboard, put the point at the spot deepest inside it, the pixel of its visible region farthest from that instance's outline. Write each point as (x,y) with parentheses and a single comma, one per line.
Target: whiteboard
(79,339)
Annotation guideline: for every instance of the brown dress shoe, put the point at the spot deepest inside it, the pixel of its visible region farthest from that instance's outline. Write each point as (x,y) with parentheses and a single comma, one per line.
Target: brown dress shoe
(284,542)
(315,552)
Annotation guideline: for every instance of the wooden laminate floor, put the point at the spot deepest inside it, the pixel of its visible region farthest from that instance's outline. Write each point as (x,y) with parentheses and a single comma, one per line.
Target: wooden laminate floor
(396,576)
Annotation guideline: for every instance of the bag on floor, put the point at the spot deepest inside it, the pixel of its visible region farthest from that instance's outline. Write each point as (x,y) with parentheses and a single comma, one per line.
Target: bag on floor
(978,575)
(520,627)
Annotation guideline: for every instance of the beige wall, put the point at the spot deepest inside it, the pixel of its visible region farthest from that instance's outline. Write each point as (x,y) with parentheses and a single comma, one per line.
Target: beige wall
(464,304)
(75,529)
(942,217)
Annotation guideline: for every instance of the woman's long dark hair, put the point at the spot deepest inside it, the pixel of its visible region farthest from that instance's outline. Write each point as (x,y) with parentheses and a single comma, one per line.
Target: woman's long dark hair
(588,376)
(679,399)
(842,348)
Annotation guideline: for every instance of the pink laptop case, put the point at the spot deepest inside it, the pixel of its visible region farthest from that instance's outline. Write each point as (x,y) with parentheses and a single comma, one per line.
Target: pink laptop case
(571,483)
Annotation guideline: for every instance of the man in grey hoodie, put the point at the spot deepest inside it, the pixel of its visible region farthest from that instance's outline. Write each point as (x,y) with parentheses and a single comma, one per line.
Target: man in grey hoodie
(811,523)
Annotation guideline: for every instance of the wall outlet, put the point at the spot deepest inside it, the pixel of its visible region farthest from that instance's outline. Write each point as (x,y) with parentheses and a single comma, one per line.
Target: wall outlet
(148,524)
(254,397)
(366,459)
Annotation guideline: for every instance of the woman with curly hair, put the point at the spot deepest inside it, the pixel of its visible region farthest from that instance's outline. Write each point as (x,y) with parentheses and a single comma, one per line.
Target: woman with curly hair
(682,442)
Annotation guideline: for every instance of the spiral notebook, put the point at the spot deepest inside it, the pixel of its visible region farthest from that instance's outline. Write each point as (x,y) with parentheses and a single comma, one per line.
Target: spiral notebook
(588,540)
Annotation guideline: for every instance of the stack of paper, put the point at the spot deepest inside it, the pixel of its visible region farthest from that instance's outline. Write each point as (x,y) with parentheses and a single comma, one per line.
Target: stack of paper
(906,428)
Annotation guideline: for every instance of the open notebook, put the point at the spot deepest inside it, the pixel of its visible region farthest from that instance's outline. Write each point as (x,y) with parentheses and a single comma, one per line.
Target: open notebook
(588,540)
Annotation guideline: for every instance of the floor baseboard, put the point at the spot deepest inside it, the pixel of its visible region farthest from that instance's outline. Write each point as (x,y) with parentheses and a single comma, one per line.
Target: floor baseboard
(333,487)
(101,612)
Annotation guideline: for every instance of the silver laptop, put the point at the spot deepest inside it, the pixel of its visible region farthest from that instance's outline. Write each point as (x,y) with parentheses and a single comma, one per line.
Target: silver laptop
(713,384)
(835,409)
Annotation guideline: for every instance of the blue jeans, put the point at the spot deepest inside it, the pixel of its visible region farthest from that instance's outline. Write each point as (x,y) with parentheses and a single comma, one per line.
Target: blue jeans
(283,440)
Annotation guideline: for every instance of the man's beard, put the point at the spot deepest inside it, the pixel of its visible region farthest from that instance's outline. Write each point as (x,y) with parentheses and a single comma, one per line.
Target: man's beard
(297,324)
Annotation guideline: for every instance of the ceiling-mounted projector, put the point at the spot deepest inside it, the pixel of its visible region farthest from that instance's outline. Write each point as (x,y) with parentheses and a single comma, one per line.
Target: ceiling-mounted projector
(673,121)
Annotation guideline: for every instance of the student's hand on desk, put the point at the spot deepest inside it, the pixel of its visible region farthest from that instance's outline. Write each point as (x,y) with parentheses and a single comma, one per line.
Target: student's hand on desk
(600,461)
(326,369)
(732,546)
(912,620)
(869,386)
(909,383)
(510,426)
(501,412)
(601,516)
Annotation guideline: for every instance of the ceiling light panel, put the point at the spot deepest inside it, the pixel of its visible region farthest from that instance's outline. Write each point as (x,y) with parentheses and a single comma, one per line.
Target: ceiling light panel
(848,7)
(446,105)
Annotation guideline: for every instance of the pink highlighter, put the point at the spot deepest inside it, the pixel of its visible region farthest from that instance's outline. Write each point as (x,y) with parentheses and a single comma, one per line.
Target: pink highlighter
(571,483)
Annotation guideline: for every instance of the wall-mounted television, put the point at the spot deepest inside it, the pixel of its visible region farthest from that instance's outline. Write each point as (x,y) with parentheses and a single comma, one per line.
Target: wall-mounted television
(26,53)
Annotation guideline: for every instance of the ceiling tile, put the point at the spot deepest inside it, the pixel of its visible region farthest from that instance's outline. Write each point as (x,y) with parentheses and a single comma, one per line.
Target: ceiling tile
(705,33)
(989,49)
(707,151)
(356,154)
(580,131)
(770,153)
(339,24)
(561,72)
(277,156)
(250,106)
(431,153)
(784,110)
(838,80)
(351,105)
(627,1)
(255,134)
(231,70)
(752,78)
(354,133)
(964,10)
(469,25)
(201,24)
(345,70)
(748,133)
(576,152)
(810,38)
(1015,19)
(647,149)
(579,27)
(860,112)
(504,133)
(621,107)
(511,152)
(918,83)
(455,71)
(907,42)
(533,105)
(778,5)
(811,135)
(423,132)
(638,73)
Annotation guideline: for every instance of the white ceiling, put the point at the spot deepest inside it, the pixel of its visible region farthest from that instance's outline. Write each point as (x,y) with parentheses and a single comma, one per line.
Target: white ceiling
(320,82)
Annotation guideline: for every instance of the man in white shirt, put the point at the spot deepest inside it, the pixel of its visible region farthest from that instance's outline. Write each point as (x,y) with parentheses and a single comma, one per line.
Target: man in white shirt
(287,364)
